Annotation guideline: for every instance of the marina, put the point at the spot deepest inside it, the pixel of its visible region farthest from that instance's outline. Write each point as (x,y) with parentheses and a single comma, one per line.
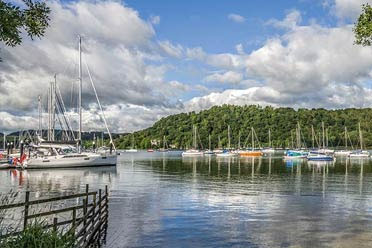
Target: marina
(327,203)
(185,124)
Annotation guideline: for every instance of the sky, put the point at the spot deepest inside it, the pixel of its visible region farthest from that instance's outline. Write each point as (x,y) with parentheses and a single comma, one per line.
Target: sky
(150,59)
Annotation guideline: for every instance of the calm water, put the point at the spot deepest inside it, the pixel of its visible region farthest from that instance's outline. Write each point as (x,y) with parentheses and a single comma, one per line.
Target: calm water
(162,200)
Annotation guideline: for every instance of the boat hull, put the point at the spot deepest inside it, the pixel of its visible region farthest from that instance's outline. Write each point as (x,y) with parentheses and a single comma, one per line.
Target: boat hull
(192,154)
(320,158)
(294,157)
(251,154)
(227,154)
(71,162)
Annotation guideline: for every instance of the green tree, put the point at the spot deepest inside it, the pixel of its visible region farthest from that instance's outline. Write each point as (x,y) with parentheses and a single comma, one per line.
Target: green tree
(33,18)
(363,27)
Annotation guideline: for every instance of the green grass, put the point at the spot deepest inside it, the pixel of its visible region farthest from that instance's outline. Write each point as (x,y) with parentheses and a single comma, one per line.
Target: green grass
(35,236)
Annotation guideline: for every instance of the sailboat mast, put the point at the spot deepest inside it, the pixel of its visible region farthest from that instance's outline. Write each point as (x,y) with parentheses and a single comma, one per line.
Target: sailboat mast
(49,103)
(239,141)
(39,108)
(53,110)
(252,139)
(209,137)
(80,90)
(312,135)
(228,134)
(269,138)
(345,137)
(323,134)
(361,138)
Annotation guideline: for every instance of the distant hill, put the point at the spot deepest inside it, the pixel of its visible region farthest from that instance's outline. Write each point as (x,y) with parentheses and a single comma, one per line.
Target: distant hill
(86,136)
(282,121)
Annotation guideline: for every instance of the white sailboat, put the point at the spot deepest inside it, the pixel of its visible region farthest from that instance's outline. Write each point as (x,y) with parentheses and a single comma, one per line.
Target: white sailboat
(132,149)
(165,145)
(228,152)
(54,155)
(322,154)
(194,152)
(209,151)
(269,149)
(360,153)
(345,152)
(219,149)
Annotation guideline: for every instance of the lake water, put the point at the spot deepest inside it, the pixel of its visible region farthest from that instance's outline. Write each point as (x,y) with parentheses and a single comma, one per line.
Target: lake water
(163,200)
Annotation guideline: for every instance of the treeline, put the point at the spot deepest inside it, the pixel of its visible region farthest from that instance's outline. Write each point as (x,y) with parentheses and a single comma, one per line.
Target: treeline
(281,121)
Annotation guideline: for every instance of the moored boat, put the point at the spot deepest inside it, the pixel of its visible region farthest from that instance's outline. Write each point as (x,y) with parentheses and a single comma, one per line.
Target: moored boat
(227,153)
(194,152)
(295,154)
(359,154)
(319,156)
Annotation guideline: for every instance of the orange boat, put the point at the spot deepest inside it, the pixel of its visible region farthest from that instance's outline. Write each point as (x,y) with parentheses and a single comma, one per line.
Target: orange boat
(250,153)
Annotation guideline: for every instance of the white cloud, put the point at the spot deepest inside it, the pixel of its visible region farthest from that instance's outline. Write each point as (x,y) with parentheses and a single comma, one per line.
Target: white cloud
(240,49)
(118,46)
(155,20)
(236,18)
(170,49)
(222,60)
(291,20)
(308,66)
(231,77)
(349,9)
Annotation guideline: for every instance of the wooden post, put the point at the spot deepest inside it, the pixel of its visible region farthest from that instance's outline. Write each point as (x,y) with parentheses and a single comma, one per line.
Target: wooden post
(85,210)
(99,213)
(87,192)
(27,199)
(55,221)
(73,221)
(107,212)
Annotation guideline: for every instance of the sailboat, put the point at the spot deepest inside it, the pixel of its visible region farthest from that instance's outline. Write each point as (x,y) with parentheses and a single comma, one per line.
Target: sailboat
(227,152)
(165,146)
(322,154)
(219,149)
(360,153)
(209,151)
(345,152)
(132,149)
(269,149)
(297,153)
(54,155)
(253,152)
(194,151)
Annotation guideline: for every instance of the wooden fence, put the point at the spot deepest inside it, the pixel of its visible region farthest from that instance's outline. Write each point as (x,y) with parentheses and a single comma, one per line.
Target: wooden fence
(88,221)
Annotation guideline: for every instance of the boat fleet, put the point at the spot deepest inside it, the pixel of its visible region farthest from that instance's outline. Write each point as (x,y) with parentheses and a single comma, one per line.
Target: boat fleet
(34,152)
(299,152)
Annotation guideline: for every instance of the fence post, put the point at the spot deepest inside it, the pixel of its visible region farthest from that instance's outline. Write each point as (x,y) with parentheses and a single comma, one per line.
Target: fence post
(87,192)
(27,199)
(55,221)
(99,213)
(107,211)
(73,221)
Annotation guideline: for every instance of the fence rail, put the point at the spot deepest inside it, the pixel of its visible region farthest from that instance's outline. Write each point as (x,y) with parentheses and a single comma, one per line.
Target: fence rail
(88,228)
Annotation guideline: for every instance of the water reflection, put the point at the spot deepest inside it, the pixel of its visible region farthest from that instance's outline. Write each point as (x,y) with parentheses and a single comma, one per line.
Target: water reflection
(164,200)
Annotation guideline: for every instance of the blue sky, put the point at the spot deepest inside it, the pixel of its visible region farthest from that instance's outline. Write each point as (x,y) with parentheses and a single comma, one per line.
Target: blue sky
(151,59)
(206,24)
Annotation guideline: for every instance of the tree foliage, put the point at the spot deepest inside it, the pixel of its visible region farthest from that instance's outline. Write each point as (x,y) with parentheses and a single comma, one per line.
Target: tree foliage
(33,18)
(363,27)
(281,121)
